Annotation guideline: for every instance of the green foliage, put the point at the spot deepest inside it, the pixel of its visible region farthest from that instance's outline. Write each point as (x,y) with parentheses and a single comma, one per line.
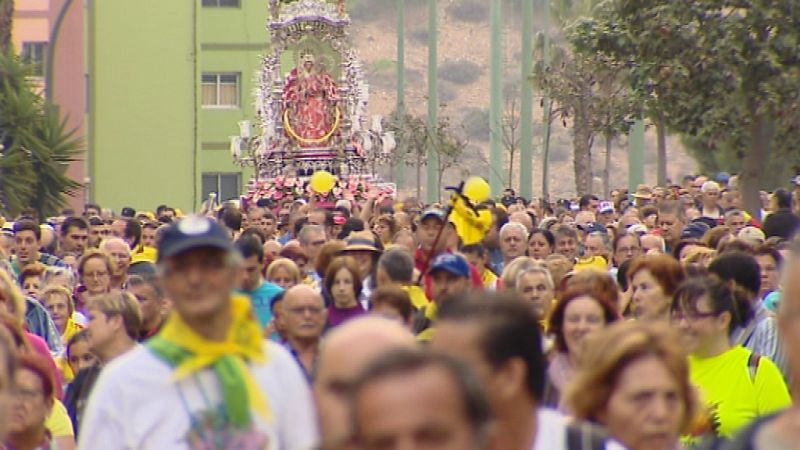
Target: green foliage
(418,138)
(726,73)
(36,149)
(590,94)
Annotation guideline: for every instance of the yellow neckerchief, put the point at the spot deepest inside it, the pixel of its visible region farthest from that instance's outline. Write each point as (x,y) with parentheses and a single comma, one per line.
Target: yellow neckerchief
(431,312)
(488,279)
(70,329)
(66,370)
(189,353)
(416,295)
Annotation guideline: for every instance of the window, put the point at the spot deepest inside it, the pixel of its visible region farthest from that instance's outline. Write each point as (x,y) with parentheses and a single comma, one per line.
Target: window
(33,54)
(221,3)
(226,185)
(220,90)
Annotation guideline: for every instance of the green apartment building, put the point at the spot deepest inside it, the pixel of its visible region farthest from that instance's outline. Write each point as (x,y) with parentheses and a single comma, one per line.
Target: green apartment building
(167,82)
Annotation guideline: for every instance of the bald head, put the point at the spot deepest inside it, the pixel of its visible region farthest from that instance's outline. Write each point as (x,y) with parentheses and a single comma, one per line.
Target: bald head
(344,353)
(523,218)
(272,247)
(300,292)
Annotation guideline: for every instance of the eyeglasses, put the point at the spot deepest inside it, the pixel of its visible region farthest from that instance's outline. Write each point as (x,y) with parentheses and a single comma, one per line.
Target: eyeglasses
(695,316)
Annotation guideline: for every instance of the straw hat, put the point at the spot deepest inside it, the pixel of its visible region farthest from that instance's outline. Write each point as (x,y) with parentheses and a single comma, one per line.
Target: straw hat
(643,191)
(361,241)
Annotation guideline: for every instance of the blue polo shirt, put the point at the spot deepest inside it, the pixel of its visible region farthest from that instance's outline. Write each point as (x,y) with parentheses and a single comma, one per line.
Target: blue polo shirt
(260,298)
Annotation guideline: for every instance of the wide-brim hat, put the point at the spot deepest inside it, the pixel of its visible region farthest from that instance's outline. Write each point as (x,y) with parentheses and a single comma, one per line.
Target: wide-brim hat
(643,191)
(361,241)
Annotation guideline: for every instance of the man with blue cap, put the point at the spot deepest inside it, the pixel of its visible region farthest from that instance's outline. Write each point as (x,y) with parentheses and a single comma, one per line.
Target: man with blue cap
(208,379)
(450,277)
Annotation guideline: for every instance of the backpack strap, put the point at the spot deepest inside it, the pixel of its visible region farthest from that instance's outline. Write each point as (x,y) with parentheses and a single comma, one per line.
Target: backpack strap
(585,436)
(752,365)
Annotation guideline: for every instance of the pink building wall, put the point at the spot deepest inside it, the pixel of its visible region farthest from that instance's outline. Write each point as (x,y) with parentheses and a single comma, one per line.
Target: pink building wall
(33,22)
(68,88)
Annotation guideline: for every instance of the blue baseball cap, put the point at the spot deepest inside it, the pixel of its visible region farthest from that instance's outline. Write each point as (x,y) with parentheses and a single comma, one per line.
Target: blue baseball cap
(695,230)
(452,263)
(190,233)
(594,227)
(432,212)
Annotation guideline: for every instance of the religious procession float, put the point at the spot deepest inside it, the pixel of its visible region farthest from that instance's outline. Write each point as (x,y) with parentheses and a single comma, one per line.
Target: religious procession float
(313,131)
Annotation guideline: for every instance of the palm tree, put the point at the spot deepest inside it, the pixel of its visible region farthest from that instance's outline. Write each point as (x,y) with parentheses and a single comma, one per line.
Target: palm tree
(35,147)
(6,17)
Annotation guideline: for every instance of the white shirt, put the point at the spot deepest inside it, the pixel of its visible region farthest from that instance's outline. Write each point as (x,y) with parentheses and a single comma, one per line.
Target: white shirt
(137,405)
(551,432)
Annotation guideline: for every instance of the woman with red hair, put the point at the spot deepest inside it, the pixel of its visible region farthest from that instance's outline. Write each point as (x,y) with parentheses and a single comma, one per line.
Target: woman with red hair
(580,311)
(653,279)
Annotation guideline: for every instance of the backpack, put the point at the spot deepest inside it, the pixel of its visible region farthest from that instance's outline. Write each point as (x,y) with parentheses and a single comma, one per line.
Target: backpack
(585,436)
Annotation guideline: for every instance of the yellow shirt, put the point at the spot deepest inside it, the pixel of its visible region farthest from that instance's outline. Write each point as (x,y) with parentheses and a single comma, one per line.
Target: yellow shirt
(489,279)
(146,254)
(595,263)
(65,368)
(416,295)
(58,422)
(70,329)
(431,313)
(731,398)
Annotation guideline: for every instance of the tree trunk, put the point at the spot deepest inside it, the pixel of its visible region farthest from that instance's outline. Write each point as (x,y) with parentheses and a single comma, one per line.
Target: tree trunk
(548,113)
(419,176)
(662,152)
(607,169)
(753,164)
(439,176)
(510,182)
(582,152)
(6,23)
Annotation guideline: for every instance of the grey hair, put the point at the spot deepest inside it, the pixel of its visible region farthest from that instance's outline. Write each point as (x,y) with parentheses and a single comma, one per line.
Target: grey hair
(733,212)
(302,236)
(603,236)
(511,225)
(546,223)
(104,245)
(535,270)
(53,271)
(398,264)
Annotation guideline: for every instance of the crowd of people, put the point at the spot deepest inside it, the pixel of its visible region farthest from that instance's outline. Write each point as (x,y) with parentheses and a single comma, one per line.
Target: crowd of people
(662,319)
